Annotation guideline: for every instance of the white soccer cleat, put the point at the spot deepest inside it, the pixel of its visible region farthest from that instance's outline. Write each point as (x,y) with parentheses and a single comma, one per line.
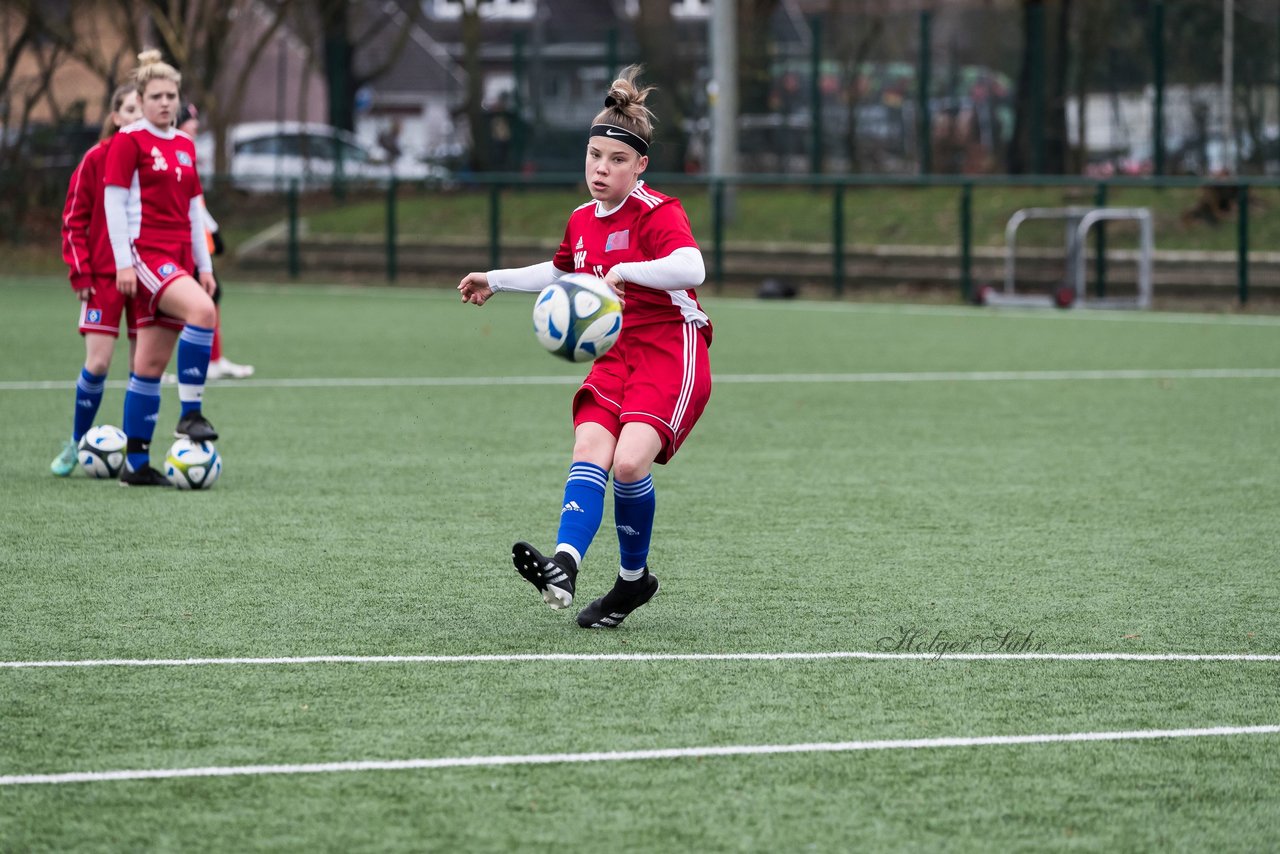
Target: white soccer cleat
(225,369)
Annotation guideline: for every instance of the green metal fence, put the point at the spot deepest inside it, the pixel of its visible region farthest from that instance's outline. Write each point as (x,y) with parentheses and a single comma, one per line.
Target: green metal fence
(498,189)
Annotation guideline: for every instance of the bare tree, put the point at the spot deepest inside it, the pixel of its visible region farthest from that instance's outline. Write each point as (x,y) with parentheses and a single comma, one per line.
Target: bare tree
(30,62)
(863,27)
(1048,102)
(101,36)
(202,38)
(199,37)
(672,71)
(361,40)
(754,35)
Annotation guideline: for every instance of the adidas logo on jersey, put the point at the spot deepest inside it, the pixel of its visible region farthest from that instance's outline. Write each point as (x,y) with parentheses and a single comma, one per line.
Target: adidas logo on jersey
(158,163)
(579,256)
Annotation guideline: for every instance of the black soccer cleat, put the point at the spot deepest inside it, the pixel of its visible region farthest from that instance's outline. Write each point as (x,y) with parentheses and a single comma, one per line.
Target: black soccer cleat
(553,576)
(195,427)
(145,476)
(612,608)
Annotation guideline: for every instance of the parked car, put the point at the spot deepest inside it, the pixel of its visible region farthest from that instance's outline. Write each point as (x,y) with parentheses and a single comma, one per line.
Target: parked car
(268,156)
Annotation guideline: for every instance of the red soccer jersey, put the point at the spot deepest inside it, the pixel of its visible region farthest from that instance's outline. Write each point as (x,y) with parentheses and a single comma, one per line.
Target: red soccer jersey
(86,246)
(645,227)
(159,169)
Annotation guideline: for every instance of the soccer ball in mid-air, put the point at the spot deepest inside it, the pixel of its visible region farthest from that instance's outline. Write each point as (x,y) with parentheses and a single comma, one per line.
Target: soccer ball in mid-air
(577,317)
(192,465)
(102,451)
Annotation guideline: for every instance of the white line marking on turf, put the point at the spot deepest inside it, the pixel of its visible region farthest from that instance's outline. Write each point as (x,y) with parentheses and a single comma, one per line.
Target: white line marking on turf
(644,656)
(629,755)
(881,377)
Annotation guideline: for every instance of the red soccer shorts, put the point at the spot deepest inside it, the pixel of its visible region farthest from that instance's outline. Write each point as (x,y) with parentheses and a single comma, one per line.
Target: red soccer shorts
(100,313)
(658,374)
(158,267)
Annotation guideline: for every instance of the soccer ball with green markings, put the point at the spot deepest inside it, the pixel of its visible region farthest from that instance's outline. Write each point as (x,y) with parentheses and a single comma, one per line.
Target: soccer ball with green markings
(192,465)
(577,317)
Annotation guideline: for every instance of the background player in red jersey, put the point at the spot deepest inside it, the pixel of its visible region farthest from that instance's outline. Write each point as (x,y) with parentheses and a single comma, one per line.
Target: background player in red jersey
(641,398)
(220,367)
(152,201)
(86,249)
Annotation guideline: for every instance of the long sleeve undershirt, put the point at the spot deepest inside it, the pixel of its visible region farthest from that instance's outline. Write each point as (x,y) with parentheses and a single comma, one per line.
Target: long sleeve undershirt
(115,202)
(682,269)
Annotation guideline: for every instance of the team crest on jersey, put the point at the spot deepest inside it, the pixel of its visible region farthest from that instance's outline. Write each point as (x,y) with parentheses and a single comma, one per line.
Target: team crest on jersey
(166,269)
(94,315)
(618,240)
(184,158)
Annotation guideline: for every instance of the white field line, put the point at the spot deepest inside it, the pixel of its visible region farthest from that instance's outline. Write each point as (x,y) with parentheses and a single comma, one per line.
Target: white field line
(643,657)
(752,379)
(628,755)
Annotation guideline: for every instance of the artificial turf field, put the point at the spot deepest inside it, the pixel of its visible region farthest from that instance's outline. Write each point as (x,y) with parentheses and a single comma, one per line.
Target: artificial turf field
(967,497)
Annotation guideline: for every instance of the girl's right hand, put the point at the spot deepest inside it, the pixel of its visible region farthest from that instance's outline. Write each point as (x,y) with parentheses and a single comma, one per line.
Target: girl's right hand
(126,281)
(475,288)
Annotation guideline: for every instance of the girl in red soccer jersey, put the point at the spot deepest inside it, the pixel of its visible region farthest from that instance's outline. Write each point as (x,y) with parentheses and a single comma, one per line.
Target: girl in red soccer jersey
(220,367)
(153,204)
(87,251)
(640,399)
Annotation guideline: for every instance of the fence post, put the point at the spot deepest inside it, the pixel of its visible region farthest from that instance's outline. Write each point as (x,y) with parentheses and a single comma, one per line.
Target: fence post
(291,201)
(1035,11)
(837,240)
(391,228)
(1242,243)
(1100,256)
(495,224)
(966,242)
(815,95)
(926,133)
(717,232)
(1157,56)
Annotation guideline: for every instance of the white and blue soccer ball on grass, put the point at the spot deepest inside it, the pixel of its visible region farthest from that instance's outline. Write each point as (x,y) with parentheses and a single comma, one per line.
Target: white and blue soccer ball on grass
(577,317)
(192,465)
(102,451)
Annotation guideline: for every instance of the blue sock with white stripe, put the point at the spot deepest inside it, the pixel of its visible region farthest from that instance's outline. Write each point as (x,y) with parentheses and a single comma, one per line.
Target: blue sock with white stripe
(194,346)
(633,508)
(583,509)
(88,398)
(141,409)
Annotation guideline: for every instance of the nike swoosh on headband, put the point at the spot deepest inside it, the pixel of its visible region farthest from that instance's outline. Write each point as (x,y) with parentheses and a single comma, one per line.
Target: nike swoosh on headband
(622,135)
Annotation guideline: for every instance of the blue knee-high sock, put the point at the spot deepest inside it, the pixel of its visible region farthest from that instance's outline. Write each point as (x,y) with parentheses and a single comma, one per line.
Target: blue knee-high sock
(141,408)
(583,509)
(194,345)
(633,509)
(88,397)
